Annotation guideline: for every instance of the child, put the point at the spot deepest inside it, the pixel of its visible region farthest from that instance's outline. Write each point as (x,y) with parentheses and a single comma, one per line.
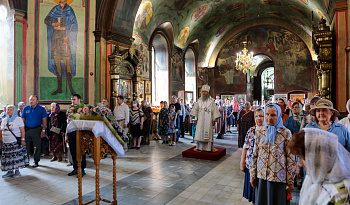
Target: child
(172,125)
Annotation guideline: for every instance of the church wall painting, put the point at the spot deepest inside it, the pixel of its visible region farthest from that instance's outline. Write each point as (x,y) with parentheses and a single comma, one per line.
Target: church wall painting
(142,49)
(62,49)
(177,68)
(292,59)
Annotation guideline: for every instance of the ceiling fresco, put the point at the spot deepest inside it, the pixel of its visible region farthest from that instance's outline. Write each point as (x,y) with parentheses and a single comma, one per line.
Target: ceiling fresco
(209,20)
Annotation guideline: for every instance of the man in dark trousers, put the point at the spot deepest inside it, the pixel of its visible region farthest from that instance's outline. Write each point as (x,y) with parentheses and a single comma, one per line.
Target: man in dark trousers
(177,117)
(34,117)
(71,139)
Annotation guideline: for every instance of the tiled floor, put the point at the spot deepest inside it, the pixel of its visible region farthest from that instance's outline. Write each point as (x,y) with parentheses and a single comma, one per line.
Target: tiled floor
(155,174)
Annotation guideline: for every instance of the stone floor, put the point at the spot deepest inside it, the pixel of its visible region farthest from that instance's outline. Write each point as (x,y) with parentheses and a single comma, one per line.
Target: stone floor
(155,174)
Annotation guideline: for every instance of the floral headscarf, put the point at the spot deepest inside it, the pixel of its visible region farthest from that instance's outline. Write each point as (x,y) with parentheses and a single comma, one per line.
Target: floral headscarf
(57,110)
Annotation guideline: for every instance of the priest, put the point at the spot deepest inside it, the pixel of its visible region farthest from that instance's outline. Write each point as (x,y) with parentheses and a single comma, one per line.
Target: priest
(205,112)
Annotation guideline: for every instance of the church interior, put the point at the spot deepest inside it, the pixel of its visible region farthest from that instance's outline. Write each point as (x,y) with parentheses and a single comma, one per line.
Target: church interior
(151,50)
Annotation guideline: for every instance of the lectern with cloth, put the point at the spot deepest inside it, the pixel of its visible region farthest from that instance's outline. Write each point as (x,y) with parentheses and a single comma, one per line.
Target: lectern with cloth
(97,137)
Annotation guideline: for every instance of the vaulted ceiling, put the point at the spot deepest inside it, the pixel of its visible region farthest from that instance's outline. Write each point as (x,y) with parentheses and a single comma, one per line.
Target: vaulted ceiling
(208,21)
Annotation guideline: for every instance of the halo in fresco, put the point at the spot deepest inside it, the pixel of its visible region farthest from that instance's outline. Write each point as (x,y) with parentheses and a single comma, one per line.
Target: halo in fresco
(271,2)
(234,7)
(221,30)
(144,16)
(183,36)
(274,14)
(211,22)
(306,2)
(297,21)
(242,17)
(199,12)
(68,2)
(299,11)
(181,4)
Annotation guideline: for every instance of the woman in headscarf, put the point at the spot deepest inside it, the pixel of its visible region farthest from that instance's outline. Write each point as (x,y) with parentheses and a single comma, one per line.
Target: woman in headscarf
(56,129)
(244,122)
(327,166)
(272,166)
(247,152)
(324,119)
(282,105)
(346,120)
(12,135)
(293,122)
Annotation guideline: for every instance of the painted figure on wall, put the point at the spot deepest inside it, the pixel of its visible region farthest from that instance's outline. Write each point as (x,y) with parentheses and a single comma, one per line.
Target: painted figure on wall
(181,4)
(177,67)
(144,16)
(62,29)
(143,55)
(183,36)
(199,12)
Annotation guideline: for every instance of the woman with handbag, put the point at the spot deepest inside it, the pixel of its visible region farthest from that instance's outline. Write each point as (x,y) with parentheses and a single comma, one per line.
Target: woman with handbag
(56,128)
(14,156)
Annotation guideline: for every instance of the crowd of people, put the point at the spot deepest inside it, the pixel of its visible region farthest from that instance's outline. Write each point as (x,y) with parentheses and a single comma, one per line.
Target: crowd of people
(285,145)
(303,146)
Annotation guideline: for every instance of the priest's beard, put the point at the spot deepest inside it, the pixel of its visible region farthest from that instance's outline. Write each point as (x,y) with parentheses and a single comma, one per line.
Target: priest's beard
(205,97)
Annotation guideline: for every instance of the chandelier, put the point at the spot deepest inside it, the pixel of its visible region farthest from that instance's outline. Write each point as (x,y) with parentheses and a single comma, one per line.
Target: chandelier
(245,62)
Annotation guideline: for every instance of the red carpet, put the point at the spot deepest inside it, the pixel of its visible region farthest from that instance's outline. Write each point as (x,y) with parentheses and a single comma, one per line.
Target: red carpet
(214,156)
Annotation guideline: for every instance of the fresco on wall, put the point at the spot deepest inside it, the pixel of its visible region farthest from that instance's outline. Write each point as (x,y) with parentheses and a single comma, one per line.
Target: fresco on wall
(177,67)
(221,30)
(61,49)
(144,16)
(211,22)
(306,2)
(291,57)
(271,2)
(297,21)
(234,7)
(6,57)
(274,14)
(199,12)
(142,49)
(299,11)
(183,36)
(202,76)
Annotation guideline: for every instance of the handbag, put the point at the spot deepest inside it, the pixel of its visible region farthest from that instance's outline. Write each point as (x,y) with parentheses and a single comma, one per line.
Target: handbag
(55,129)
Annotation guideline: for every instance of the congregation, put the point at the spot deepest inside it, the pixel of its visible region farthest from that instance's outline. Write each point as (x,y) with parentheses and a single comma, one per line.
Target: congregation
(285,145)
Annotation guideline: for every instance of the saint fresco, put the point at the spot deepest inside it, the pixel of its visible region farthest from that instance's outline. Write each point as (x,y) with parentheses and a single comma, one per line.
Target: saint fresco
(177,67)
(291,57)
(144,16)
(183,36)
(199,12)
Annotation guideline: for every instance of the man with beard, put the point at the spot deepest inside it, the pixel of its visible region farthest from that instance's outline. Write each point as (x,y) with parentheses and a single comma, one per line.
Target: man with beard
(62,29)
(205,112)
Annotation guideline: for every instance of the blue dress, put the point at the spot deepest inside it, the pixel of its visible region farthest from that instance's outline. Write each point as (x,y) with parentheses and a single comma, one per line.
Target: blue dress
(292,125)
(172,119)
(230,119)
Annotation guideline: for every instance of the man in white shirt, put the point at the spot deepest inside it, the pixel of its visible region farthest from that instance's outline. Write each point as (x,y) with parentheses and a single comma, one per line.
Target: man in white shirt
(121,112)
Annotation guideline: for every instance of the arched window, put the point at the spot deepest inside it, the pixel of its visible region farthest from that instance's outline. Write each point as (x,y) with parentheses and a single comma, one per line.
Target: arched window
(160,70)
(190,75)
(6,56)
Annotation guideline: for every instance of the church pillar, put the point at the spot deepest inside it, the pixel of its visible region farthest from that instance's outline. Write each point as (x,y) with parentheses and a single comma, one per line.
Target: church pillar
(20,41)
(341,39)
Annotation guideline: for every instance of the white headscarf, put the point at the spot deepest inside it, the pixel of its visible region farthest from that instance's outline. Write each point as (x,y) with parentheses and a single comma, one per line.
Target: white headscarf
(328,168)
(348,107)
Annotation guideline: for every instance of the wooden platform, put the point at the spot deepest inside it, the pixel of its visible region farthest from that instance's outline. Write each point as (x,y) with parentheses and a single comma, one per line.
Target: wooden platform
(214,156)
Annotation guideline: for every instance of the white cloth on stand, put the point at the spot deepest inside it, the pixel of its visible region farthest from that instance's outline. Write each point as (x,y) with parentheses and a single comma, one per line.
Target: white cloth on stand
(99,129)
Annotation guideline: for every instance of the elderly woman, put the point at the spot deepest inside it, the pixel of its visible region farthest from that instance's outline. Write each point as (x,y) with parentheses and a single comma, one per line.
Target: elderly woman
(12,134)
(327,164)
(147,124)
(346,120)
(244,122)
(136,124)
(310,118)
(272,166)
(324,119)
(3,114)
(220,128)
(247,152)
(293,122)
(56,129)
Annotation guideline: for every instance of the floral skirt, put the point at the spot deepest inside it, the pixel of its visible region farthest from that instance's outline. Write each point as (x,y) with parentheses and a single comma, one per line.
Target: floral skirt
(13,157)
(56,143)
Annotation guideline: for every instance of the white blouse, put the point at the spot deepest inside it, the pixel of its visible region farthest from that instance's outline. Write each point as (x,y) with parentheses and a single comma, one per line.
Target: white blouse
(7,136)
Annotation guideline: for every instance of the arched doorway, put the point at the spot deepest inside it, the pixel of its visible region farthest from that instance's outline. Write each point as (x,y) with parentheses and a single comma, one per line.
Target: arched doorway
(160,70)
(268,84)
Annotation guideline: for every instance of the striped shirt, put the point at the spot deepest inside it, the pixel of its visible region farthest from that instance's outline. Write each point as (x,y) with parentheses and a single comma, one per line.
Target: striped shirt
(135,116)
